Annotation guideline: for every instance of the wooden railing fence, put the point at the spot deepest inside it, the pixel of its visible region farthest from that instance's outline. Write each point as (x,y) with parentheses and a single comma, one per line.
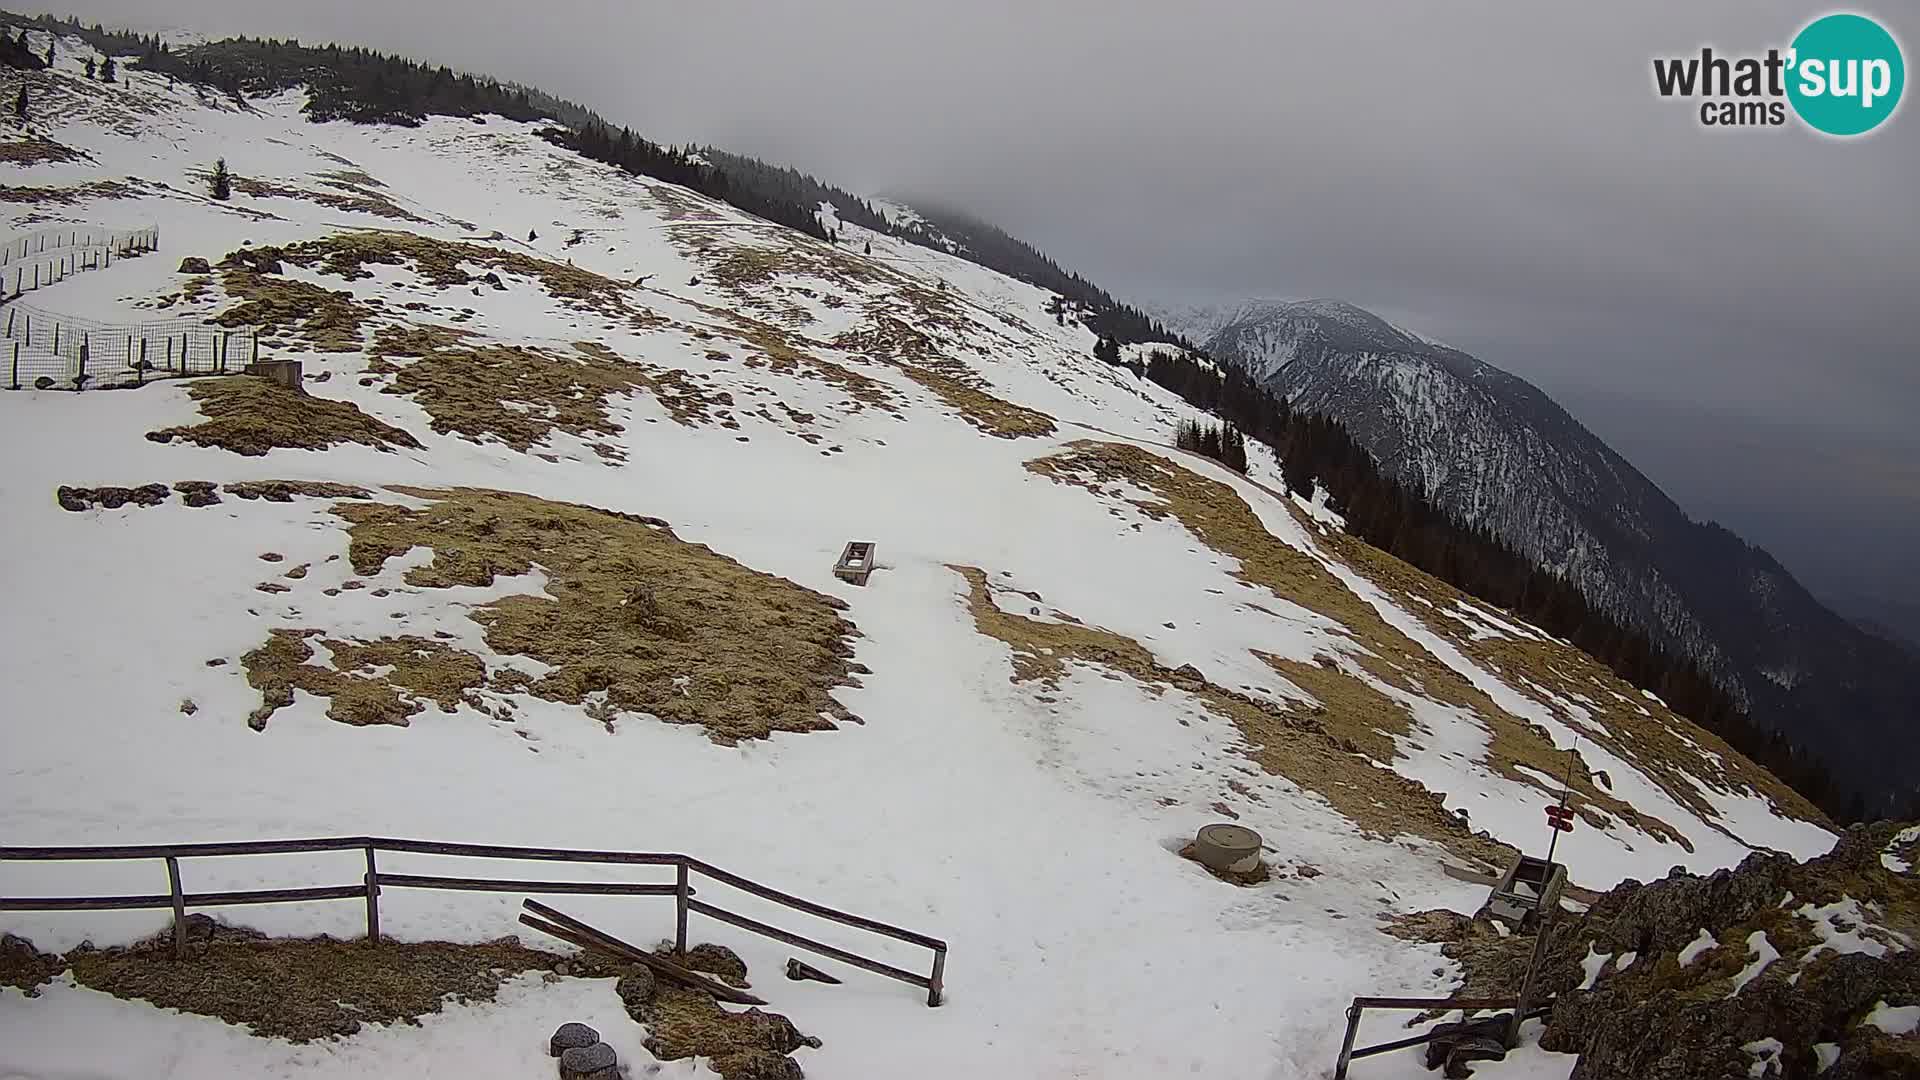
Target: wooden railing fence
(681,889)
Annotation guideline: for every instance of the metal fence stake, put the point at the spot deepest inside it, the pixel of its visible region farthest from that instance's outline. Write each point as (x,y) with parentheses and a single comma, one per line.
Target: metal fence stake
(179,909)
(373,900)
(680,912)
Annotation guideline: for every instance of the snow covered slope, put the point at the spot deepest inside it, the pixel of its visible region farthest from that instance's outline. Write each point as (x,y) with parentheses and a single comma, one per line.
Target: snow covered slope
(551,564)
(1496,452)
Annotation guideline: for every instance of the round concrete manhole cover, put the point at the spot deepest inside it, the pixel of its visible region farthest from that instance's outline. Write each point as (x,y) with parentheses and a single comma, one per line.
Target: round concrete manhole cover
(1226,847)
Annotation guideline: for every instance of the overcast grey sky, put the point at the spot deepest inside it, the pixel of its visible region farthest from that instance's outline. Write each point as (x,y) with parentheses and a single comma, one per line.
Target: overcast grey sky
(1734,310)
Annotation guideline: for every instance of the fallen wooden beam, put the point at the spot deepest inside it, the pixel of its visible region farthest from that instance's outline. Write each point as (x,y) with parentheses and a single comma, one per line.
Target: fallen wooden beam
(600,939)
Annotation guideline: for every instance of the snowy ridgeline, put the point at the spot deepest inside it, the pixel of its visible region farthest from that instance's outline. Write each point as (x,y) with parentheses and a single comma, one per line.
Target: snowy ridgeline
(1025,769)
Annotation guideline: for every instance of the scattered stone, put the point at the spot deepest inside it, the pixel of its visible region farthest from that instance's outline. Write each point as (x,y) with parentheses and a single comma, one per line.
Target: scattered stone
(493,279)
(297,572)
(187,706)
(569,1036)
(44,382)
(24,967)
(193,264)
(271,587)
(798,969)
(109,498)
(718,960)
(271,556)
(596,1062)
(353,583)
(284,490)
(260,260)
(218,661)
(197,492)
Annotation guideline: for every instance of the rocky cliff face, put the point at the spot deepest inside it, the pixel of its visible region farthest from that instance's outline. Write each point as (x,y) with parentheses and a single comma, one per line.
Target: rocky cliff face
(1496,452)
(1774,969)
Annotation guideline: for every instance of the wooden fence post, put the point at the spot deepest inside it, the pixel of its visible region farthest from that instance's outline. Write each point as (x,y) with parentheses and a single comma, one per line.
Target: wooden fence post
(56,337)
(373,900)
(169,352)
(179,909)
(16,367)
(939,978)
(81,382)
(680,906)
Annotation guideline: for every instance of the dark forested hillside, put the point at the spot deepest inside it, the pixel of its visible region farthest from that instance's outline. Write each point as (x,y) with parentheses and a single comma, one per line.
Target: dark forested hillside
(1316,449)
(994,249)
(366,87)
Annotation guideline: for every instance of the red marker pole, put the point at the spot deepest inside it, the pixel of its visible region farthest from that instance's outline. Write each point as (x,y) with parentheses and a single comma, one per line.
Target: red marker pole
(1559,817)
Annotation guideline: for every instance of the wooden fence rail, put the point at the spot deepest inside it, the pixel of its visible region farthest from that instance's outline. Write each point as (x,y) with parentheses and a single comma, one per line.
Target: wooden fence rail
(681,889)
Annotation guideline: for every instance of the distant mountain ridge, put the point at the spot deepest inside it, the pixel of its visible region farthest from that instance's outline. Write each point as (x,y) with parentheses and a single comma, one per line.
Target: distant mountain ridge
(1494,451)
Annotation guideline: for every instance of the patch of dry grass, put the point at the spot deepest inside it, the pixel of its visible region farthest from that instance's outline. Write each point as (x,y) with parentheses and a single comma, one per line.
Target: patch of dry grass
(680,392)
(307,315)
(518,395)
(443,263)
(426,670)
(1298,747)
(66,196)
(34,150)
(633,617)
(785,352)
(1667,747)
(749,1045)
(1359,714)
(893,341)
(251,416)
(356,199)
(303,989)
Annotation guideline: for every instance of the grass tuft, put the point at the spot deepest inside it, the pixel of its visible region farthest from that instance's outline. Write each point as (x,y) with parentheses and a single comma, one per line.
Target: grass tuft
(251,416)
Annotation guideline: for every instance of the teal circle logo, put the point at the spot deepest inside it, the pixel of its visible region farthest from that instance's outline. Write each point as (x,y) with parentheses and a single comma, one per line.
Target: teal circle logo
(1846,74)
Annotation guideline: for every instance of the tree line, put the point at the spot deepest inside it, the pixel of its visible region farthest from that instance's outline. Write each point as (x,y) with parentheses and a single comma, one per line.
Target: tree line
(1315,449)
(597,140)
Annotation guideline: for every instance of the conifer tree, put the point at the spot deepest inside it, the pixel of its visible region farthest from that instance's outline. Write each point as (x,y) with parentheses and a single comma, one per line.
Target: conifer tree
(222,182)
(20,105)
(108,70)
(91,67)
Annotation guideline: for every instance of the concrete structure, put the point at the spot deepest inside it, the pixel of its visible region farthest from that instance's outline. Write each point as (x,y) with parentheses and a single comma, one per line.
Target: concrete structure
(1232,849)
(856,562)
(285,372)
